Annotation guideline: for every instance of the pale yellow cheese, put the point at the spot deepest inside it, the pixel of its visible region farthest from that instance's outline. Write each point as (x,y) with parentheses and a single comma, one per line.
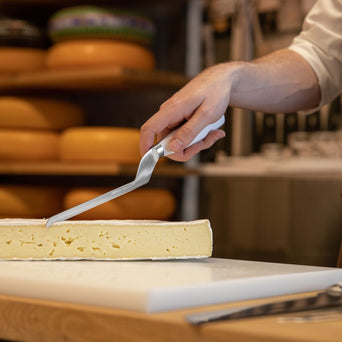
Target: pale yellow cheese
(39,113)
(142,204)
(25,144)
(20,59)
(77,53)
(112,239)
(100,144)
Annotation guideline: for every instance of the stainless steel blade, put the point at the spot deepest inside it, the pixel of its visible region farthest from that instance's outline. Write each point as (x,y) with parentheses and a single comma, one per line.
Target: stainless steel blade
(322,300)
(145,169)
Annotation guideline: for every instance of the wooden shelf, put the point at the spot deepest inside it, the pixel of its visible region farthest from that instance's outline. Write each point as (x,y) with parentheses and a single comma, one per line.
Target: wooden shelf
(95,78)
(59,168)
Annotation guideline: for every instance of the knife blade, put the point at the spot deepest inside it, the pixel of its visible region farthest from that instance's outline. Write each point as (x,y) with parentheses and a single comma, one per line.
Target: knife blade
(331,297)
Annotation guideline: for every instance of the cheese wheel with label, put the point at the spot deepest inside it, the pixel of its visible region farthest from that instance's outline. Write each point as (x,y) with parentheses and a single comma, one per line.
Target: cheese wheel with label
(100,22)
(148,204)
(27,201)
(78,53)
(104,240)
(20,59)
(22,144)
(39,113)
(115,144)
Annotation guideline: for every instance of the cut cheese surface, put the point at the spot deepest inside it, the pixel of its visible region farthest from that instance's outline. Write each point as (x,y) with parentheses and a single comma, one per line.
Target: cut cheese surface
(18,59)
(104,239)
(25,144)
(101,144)
(39,113)
(95,52)
(142,204)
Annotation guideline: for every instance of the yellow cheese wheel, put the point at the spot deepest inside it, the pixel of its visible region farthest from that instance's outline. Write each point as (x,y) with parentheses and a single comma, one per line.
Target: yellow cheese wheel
(19,59)
(25,201)
(22,144)
(149,204)
(101,144)
(95,52)
(39,113)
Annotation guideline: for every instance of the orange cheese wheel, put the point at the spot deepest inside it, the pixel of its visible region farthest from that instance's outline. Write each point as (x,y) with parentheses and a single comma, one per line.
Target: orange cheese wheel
(30,201)
(101,144)
(22,144)
(96,52)
(19,59)
(38,113)
(149,204)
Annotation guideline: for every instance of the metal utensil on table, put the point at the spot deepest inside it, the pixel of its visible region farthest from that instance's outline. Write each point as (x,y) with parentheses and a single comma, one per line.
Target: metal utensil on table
(145,169)
(331,297)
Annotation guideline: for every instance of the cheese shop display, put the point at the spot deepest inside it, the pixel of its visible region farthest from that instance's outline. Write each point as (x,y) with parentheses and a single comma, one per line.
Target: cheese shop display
(99,22)
(21,46)
(100,144)
(99,52)
(151,204)
(26,144)
(27,201)
(39,113)
(104,239)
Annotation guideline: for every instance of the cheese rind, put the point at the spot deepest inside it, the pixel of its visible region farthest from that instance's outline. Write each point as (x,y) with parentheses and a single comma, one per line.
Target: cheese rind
(141,204)
(101,144)
(30,201)
(39,113)
(20,59)
(25,144)
(104,239)
(99,52)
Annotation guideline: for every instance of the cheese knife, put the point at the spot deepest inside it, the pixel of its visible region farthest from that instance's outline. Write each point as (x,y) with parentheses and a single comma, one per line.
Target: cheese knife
(330,297)
(145,169)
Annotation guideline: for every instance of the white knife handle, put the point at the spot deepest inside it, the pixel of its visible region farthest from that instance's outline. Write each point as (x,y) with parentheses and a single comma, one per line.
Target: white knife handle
(165,142)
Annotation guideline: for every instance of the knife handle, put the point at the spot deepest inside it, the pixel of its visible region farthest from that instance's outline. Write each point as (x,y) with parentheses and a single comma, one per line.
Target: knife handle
(216,125)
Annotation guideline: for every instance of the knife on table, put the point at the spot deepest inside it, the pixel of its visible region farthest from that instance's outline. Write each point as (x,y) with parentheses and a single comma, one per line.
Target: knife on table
(330,297)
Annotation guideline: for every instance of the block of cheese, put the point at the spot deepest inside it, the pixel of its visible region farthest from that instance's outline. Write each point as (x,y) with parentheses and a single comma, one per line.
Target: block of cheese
(111,239)
(100,22)
(25,144)
(39,113)
(78,53)
(142,204)
(30,201)
(19,59)
(101,144)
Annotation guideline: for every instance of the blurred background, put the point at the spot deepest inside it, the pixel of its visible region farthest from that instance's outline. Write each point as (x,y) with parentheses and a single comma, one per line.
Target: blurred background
(79,78)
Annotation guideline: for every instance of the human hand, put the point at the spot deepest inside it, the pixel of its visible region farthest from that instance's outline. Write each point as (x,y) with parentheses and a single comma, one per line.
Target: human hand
(201,102)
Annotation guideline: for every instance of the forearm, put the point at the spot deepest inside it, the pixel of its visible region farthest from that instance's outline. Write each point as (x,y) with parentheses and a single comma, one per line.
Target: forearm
(280,82)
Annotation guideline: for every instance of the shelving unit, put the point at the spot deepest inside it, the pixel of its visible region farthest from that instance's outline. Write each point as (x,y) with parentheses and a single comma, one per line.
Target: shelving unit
(106,79)
(94,79)
(62,168)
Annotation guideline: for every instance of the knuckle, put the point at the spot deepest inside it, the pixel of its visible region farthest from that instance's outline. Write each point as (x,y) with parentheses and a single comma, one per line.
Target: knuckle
(187,131)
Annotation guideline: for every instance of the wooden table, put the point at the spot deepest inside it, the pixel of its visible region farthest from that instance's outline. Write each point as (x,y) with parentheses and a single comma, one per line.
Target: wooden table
(23,319)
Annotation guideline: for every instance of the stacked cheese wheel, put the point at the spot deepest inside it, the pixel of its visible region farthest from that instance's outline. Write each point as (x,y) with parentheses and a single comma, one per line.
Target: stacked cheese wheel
(90,36)
(120,145)
(26,201)
(21,46)
(149,204)
(30,127)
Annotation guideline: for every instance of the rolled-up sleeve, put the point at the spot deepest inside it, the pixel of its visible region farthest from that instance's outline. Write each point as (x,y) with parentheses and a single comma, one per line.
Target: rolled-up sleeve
(320,43)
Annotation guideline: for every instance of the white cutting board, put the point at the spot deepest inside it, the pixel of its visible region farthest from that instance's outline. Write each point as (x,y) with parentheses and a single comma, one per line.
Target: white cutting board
(152,286)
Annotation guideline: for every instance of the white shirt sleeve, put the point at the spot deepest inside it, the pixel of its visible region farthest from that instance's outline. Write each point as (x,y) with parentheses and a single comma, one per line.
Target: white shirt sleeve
(320,43)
